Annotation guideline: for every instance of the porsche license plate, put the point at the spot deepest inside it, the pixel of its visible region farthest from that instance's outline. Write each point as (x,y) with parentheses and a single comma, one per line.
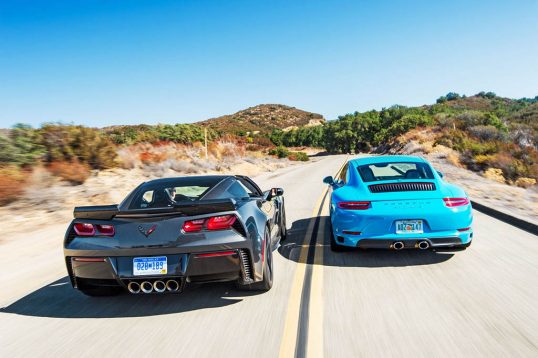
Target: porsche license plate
(149,266)
(409,227)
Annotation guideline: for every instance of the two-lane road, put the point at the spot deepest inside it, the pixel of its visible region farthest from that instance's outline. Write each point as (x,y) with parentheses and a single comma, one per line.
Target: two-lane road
(479,302)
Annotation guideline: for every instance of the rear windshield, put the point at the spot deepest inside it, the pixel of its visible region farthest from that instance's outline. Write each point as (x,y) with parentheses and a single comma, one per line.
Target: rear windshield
(395,171)
(162,194)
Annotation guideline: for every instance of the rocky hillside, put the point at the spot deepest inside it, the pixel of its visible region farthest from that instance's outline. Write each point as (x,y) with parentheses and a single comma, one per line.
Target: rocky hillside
(262,119)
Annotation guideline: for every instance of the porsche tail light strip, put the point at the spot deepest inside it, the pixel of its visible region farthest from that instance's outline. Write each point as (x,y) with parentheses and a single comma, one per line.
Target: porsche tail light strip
(354,205)
(216,254)
(452,202)
(351,232)
(222,222)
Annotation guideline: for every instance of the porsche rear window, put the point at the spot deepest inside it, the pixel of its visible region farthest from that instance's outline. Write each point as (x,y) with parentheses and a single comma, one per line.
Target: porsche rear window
(166,193)
(395,171)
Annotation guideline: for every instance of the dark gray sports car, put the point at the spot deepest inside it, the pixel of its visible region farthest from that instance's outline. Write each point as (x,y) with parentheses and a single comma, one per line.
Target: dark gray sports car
(168,232)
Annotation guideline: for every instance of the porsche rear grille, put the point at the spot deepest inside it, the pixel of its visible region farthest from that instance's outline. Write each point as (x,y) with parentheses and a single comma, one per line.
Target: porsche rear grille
(394,187)
(246,267)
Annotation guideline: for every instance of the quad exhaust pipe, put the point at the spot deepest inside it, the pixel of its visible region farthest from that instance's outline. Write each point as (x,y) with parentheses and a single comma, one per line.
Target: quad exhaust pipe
(157,286)
(133,287)
(398,245)
(172,285)
(146,287)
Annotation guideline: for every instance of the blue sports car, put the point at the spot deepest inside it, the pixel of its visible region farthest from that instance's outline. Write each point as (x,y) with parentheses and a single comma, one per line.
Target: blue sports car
(397,202)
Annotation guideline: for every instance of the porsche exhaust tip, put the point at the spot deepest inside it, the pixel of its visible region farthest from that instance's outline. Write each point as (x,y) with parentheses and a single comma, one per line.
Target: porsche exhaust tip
(146,287)
(398,245)
(159,286)
(172,285)
(424,245)
(133,287)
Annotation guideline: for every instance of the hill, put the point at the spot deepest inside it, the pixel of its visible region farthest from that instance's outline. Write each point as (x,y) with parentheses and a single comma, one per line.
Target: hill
(263,119)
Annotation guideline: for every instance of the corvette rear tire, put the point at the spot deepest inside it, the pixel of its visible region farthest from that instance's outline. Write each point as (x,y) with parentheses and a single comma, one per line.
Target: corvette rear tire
(267,282)
(100,291)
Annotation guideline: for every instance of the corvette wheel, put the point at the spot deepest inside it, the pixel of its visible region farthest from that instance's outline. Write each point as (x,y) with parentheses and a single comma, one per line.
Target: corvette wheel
(100,291)
(267,282)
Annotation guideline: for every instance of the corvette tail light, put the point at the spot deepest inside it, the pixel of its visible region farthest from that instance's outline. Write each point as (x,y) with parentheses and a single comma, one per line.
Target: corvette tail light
(193,225)
(222,222)
(85,229)
(106,230)
(464,229)
(354,205)
(452,202)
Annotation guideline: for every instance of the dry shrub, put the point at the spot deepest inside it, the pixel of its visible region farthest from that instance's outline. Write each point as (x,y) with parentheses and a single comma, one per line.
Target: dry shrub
(12,184)
(151,157)
(495,174)
(454,159)
(525,182)
(73,172)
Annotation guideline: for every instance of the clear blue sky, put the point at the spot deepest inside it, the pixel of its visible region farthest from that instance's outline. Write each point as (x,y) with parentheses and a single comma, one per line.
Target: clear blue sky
(149,61)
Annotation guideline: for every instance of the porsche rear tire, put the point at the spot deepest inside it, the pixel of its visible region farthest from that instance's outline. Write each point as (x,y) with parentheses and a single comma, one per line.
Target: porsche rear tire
(335,247)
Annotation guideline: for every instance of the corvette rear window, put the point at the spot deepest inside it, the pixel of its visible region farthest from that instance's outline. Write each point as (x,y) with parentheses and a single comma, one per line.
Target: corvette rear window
(166,193)
(395,171)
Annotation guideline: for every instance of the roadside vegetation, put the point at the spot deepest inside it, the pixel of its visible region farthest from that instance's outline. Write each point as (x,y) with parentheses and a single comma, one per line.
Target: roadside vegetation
(489,134)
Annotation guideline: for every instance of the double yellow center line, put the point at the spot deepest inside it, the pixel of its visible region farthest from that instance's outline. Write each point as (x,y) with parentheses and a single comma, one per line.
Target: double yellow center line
(303,329)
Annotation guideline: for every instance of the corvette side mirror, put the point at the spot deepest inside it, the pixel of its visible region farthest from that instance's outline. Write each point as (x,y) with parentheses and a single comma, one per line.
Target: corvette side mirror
(440,174)
(270,194)
(278,191)
(328,180)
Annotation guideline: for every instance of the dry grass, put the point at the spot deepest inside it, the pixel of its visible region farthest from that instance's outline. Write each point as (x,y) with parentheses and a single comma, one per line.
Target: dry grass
(12,184)
(72,172)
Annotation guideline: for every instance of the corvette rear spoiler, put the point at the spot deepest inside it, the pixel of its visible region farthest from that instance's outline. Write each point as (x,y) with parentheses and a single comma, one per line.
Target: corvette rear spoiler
(107,212)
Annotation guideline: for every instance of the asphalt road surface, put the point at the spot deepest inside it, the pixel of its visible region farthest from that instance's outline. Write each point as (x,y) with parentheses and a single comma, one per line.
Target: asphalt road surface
(482,302)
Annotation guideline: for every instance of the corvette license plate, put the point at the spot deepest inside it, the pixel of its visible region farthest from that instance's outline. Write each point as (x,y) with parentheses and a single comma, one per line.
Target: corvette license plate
(409,227)
(149,266)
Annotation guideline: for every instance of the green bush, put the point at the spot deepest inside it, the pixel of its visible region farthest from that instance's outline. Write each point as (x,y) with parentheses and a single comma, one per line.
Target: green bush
(298,156)
(280,152)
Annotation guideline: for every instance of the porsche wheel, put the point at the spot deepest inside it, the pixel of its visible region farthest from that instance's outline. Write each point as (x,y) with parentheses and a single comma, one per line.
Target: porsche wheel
(335,247)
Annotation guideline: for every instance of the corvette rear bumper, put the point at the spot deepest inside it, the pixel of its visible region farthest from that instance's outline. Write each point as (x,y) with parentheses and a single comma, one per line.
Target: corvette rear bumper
(219,258)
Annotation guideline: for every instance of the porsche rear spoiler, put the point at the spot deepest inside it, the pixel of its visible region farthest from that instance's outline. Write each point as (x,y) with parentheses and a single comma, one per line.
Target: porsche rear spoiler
(107,212)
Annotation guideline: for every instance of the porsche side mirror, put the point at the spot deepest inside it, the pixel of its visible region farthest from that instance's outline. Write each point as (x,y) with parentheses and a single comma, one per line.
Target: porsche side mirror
(328,180)
(440,174)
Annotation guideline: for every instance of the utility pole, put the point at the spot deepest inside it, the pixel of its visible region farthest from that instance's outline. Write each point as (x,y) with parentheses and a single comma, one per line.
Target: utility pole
(205,140)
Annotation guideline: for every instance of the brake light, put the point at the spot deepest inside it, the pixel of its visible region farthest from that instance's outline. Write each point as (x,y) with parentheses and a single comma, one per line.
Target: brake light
(84,229)
(193,225)
(216,254)
(107,230)
(222,222)
(464,229)
(452,202)
(354,205)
